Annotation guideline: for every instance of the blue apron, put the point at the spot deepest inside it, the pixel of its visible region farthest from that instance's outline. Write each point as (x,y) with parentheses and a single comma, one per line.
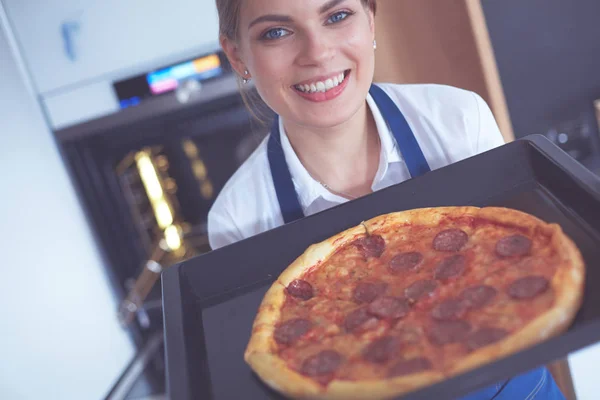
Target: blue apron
(537,384)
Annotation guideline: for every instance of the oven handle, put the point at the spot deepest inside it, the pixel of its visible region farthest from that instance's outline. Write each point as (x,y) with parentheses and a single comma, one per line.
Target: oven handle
(143,285)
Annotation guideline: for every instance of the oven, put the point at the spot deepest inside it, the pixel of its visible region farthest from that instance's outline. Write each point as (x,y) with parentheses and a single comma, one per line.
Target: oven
(147,176)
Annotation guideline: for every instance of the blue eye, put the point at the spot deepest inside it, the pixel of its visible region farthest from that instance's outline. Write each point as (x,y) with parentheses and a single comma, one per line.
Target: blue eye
(338,17)
(275,33)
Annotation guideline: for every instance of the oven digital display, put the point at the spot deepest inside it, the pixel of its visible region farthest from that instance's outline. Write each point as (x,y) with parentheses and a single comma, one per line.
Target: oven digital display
(133,91)
(168,79)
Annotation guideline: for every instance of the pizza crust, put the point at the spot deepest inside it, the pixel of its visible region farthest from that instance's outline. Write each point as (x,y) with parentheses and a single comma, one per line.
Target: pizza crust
(567,284)
(278,376)
(431,216)
(382,389)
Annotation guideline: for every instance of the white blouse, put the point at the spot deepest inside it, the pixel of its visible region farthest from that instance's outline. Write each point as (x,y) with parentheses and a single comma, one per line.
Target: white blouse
(450,124)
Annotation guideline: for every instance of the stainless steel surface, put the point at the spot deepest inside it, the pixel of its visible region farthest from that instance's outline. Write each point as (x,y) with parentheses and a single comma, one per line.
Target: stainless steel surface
(159,106)
(136,368)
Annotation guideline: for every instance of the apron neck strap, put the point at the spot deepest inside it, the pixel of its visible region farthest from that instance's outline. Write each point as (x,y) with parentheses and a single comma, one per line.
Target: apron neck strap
(287,197)
(407,142)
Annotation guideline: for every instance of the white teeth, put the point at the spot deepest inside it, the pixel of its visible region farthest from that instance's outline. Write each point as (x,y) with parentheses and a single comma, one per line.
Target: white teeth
(322,86)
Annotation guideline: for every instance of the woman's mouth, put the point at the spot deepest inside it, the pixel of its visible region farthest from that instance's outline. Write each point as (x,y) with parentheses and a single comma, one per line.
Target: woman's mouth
(322,86)
(322,90)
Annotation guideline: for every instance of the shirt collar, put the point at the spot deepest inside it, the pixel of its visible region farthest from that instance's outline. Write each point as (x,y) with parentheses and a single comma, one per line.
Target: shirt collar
(309,189)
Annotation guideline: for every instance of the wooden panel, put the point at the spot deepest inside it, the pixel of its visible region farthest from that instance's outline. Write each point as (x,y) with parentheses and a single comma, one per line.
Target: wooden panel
(489,68)
(432,41)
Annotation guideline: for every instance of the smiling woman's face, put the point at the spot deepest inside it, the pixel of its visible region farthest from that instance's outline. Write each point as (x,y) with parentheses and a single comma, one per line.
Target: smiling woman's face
(312,61)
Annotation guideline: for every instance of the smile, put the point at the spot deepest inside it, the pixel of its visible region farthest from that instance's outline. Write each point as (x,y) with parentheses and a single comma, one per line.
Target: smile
(323,86)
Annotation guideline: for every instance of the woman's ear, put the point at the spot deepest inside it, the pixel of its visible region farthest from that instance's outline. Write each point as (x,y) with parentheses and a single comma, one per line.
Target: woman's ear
(232,52)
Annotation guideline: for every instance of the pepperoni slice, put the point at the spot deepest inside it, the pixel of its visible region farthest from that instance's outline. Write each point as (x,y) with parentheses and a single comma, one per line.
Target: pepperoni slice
(412,366)
(292,330)
(323,363)
(300,289)
(359,319)
(513,246)
(528,287)
(478,296)
(389,307)
(405,262)
(366,292)
(445,332)
(371,246)
(381,350)
(449,309)
(484,337)
(450,267)
(450,240)
(424,287)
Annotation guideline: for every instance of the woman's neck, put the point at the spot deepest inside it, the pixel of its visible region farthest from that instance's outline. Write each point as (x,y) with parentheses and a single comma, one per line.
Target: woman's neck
(344,157)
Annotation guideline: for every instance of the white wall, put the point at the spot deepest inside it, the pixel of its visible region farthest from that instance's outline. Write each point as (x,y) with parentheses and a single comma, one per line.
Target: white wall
(113,36)
(584,364)
(59,337)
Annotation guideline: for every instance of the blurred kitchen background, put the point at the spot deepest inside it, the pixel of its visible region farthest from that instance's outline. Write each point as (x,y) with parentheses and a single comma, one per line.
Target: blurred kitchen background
(121,120)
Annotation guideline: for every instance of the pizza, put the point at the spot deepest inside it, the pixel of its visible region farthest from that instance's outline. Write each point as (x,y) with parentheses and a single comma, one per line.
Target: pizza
(410,298)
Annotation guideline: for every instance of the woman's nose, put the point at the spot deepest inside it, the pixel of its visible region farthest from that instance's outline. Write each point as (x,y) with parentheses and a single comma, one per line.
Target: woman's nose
(315,50)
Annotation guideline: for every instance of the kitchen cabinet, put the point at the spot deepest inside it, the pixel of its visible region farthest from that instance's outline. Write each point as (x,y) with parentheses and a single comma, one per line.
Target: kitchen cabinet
(446,42)
(67,43)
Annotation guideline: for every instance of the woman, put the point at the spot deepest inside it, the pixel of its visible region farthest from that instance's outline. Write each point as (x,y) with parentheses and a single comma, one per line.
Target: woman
(337,136)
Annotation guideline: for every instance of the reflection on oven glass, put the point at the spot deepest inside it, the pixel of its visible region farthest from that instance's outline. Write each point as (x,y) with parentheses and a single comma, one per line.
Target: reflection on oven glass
(151,192)
(199,168)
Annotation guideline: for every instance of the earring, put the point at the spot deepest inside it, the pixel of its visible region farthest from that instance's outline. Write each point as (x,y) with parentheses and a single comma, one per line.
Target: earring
(246,73)
(375,44)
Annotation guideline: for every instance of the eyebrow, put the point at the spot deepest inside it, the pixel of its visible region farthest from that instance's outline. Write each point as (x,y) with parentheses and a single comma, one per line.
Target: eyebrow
(329,5)
(270,18)
(284,18)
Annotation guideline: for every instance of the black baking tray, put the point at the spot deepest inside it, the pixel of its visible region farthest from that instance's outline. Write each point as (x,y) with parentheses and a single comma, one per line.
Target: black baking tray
(210,301)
